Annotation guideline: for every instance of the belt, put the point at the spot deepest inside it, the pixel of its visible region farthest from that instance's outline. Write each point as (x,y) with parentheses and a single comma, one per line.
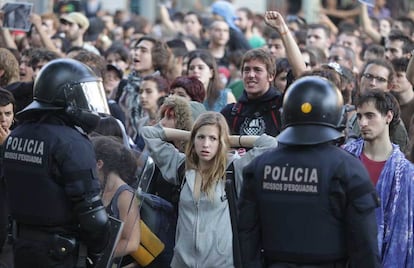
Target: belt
(33,234)
(59,246)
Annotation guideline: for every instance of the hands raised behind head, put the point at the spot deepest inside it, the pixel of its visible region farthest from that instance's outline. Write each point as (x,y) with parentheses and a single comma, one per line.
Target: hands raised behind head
(275,20)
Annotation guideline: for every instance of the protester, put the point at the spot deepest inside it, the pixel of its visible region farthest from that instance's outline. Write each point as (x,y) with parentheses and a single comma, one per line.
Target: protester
(202,65)
(391,172)
(202,206)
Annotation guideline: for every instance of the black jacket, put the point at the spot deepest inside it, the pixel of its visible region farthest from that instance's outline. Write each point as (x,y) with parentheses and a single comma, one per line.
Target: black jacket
(257,116)
(308,205)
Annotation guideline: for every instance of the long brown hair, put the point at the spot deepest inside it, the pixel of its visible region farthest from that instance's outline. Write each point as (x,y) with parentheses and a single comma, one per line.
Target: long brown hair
(215,85)
(218,168)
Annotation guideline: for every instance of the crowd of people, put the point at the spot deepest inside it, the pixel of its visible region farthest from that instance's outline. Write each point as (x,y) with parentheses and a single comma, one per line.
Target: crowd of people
(87,94)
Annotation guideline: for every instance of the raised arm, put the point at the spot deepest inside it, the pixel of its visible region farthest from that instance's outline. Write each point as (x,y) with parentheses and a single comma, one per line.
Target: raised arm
(176,134)
(235,140)
(275,20)
(6,36)
(44,38)
(366,25)
(166,20)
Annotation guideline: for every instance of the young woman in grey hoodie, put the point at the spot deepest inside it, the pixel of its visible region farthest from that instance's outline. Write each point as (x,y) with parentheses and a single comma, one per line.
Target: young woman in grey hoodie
(204,232)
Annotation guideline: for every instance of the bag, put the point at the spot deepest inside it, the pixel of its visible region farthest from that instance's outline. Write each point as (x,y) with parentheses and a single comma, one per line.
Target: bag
(158,219)
(149,247)
(156,212)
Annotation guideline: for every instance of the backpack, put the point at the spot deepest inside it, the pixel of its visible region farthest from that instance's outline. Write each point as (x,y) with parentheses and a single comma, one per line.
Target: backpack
(273,106)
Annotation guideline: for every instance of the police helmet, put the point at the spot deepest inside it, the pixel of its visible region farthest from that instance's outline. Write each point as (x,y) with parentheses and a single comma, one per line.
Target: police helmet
(313,112)
(71,86)
(66,83)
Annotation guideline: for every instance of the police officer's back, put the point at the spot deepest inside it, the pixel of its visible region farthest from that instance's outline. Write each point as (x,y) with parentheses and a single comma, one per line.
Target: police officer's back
(49,167)
(308,202)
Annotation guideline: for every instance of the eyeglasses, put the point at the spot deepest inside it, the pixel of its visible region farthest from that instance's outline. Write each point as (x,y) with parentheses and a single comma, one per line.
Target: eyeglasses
(372,77)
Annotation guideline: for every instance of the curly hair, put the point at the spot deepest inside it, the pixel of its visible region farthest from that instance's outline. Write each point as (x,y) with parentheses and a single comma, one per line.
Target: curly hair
(10,66)
(116,158)
(182,111)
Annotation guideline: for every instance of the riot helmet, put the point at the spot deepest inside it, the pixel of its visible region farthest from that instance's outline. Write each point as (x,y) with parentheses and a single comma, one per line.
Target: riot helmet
(70,86)
(313,112)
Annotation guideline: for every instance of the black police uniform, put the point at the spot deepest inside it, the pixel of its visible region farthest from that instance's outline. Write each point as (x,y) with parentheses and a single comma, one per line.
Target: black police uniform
(313,207)
(49,167)
(308,203)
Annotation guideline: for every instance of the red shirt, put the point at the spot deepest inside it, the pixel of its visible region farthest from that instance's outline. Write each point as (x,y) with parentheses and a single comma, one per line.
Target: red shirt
(374,167)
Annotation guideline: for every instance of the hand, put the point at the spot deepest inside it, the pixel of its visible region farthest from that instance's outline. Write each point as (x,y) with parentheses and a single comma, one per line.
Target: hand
(275,20)
(4,133)
(36,20)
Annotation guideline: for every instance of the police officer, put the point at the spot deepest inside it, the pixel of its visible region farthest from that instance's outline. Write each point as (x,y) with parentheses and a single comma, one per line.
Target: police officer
(308,203)
(49,167)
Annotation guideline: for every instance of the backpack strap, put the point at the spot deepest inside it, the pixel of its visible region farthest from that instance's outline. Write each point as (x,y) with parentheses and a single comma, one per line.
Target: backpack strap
(275,109)
(235,113)
(273,106)
(179,186)
(181,176)
(230,189)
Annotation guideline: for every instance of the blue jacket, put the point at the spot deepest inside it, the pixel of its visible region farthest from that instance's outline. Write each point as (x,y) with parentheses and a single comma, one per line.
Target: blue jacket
(395,217)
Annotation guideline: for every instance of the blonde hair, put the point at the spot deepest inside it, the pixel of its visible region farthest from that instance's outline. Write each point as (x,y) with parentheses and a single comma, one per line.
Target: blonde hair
(218,169)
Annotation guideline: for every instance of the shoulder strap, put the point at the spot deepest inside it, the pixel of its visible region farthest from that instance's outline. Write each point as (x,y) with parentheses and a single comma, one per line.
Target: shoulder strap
(114,202)
(181,174)
(232,201)
(179,186)
(235,112)
(274,107)
(230,176)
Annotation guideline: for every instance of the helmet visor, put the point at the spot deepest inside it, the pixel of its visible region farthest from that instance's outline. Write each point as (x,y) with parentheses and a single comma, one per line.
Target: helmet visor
(94,97)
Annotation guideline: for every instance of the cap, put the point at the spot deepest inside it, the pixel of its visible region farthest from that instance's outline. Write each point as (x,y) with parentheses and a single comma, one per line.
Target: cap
(76,18)
(118,71)
(225,10)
